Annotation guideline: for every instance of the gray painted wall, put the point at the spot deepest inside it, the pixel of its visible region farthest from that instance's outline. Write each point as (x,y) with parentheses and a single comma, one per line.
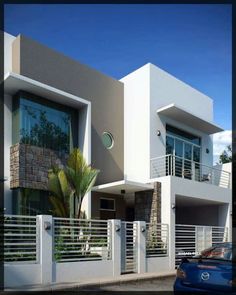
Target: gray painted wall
(199,215)
(43,64)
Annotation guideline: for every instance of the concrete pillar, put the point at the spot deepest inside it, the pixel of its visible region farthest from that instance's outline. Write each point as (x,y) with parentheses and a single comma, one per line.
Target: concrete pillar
(45,224)
(168,217)
(141,246)
(116,245)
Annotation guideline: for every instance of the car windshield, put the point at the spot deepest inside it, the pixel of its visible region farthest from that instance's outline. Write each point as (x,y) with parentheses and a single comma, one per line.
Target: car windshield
(223,252)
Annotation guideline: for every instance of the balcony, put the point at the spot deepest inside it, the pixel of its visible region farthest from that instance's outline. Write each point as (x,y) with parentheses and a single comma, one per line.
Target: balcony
(187,169)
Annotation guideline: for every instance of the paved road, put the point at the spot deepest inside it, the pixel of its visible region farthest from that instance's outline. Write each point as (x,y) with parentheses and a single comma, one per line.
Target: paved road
(160,284)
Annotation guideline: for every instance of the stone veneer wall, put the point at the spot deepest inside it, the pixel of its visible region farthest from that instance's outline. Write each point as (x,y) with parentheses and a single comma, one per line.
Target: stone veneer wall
(29,165)
(148,205)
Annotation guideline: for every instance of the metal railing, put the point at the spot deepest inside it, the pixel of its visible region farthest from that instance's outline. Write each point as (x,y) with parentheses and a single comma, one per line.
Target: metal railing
(157,239)
(128,247)
(20,239)
(190,240)
(180,167)
(81,239)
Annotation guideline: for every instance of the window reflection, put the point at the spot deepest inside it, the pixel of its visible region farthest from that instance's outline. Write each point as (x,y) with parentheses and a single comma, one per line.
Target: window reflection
(44,126)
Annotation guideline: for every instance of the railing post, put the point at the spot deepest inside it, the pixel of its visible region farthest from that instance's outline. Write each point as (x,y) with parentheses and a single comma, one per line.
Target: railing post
(45,224)
(116,245)
(141,246)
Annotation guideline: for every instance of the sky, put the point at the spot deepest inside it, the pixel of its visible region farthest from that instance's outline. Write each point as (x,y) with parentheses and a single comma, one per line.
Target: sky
(190,41)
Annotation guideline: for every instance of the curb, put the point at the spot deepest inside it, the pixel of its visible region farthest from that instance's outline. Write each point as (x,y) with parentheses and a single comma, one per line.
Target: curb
(121,280)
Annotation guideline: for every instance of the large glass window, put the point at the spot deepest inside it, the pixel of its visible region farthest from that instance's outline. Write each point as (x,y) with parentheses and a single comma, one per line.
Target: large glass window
(44,124)
(183,135)
(28,201)
(186,148)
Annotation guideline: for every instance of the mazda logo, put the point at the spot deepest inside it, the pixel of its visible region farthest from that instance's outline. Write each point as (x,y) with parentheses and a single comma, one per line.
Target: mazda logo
(205,276)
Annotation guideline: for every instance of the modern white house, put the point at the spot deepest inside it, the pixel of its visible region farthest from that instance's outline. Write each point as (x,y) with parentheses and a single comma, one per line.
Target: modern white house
(149,134)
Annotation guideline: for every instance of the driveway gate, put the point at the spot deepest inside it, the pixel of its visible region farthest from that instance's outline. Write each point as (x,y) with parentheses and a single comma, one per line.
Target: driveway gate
(192,239)
(128,247)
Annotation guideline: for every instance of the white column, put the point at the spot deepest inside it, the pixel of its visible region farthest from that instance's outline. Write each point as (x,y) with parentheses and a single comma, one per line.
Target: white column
(141,246)
(45,247)
(168,216)
(116,245)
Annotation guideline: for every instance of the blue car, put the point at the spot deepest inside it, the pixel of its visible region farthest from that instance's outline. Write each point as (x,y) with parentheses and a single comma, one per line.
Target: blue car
(212,272)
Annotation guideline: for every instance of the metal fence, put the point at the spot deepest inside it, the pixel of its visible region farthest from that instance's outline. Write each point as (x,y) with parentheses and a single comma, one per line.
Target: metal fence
(190,240)
(81,239)
(180,167)
(128,247)
(157,239)
(20,239)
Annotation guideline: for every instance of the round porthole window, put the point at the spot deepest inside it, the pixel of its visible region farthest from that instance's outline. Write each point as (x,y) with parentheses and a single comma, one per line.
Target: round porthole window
(107,140)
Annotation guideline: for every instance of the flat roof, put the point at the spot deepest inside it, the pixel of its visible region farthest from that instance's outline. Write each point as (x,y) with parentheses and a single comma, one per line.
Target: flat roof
(117,186)
(14,82)
(181,115)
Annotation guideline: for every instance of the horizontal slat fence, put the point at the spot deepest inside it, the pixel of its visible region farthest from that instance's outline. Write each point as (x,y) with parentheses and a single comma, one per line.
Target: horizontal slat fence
(156,239)
(20,239)
(80,239)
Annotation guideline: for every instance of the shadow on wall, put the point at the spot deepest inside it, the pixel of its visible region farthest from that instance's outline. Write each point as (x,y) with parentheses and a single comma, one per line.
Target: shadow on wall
(103,159)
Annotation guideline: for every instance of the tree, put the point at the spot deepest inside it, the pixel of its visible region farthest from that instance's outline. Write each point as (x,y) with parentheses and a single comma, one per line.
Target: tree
(81,176)
(74,181)
(226,155)
(61,192)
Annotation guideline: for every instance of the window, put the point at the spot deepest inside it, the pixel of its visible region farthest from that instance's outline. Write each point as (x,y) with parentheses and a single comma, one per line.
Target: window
(186,148)
(28,201)
(43,123)
(107,204)
(107,140)
(183,135)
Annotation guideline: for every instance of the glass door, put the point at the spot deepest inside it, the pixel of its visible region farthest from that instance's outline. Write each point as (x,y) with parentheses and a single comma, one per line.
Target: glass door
(196,159)
(170,146)
(178,163)
(187,172)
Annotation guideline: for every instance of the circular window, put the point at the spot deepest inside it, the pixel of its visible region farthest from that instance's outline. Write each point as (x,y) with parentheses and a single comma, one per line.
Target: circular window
(107,140)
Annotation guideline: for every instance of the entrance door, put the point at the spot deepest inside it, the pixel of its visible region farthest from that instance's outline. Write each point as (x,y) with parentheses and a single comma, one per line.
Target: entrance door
(128,247)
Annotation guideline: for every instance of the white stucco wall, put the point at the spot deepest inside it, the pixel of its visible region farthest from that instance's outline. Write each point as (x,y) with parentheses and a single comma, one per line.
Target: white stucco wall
(146,90)
(136,125)
(8,39)
(7,145)
(166,89)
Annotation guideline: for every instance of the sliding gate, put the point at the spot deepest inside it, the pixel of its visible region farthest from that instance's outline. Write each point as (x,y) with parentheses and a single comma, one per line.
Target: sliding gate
(190,240)
(128,247)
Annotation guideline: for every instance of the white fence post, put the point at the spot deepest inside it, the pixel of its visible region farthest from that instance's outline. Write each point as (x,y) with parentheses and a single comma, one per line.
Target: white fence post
(45,224)
(141,246)
(116,245)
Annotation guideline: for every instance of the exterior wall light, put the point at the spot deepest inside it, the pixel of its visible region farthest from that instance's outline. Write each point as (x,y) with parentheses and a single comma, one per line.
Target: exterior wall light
(47,225)
(122,191)
(5,178)
(207,151)
(158,133)
(173,206)
(143,229)
(117,227)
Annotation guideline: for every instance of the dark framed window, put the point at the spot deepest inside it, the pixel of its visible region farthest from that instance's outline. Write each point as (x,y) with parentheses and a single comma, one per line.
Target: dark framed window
(43,123)
(183,135)
(107,204)
(27,201)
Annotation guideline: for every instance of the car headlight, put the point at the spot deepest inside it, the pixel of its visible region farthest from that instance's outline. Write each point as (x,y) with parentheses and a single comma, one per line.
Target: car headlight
(180,273)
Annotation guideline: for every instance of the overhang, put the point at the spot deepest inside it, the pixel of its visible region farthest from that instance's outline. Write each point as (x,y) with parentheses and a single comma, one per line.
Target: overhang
(181,115)
(14,82)
(117,186)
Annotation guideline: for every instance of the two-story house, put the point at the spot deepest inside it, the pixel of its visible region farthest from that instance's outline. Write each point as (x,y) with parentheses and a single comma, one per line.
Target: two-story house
(149,134)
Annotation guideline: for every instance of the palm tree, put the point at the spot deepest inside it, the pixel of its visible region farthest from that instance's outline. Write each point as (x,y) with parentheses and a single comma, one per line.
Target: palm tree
(61,192)
(81,176)
(72,182)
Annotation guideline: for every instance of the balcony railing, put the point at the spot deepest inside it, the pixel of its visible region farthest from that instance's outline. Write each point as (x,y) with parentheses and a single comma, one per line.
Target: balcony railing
(180,167)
